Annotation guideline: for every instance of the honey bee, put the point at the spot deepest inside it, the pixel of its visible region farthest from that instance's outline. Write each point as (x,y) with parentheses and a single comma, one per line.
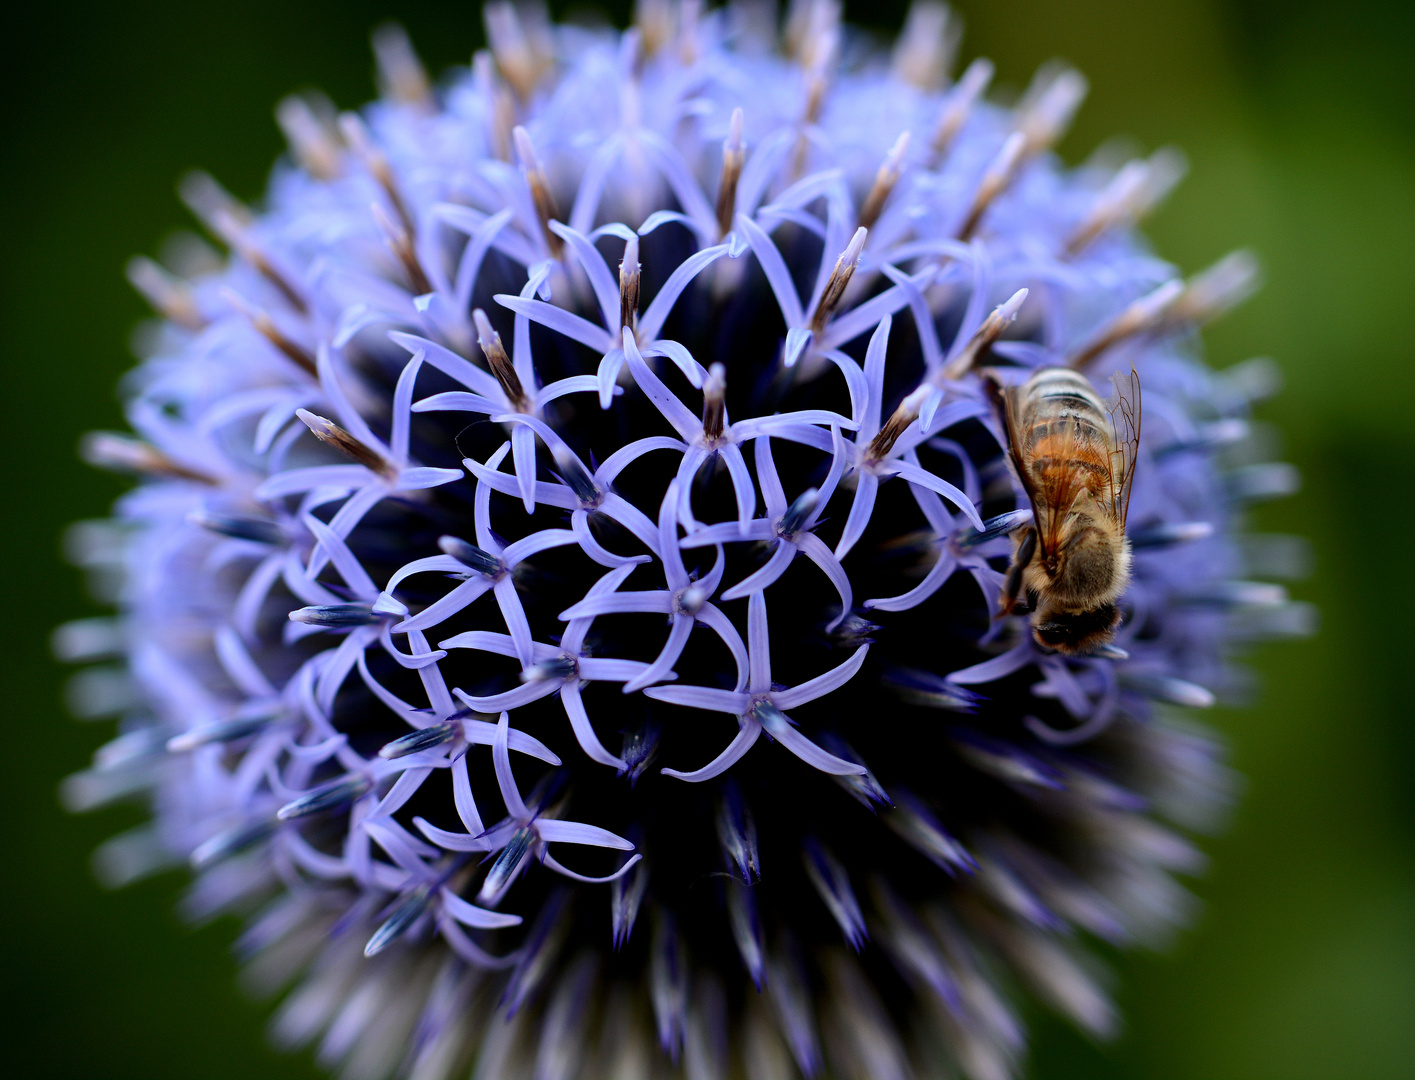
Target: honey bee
(1075,457)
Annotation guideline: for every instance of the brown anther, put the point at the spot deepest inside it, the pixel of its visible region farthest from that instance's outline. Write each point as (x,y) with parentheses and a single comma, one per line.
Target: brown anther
(502,113)
(1042,117)
(206,199)
(230,222)
(1001,318)
(1132,193)
(126,454)
(401,244)
(499,362)
(1099,221)
(312,138)
(331,434)
(1140,317)
(818,47)
(301,357)
(356,134)
(925,49)
(793,33)
(400,73)
(521,46)
(1211,292)
(885,178)
(1048,106)
(689,47)
(733,155)
(230,230)
(265,326)
(839,278)
(715,402)
(898,422)
(957,107)
(813,31)
(995,181)
(817,85)
(1113,206)
(654,20)
(630,274)
(541,195)
(170,296)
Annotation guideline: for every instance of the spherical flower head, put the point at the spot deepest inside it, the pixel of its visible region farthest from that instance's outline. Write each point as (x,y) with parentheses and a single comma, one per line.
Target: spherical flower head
(573,602)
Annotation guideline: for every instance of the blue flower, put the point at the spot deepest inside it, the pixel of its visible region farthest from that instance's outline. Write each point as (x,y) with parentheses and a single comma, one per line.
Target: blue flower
(613,327)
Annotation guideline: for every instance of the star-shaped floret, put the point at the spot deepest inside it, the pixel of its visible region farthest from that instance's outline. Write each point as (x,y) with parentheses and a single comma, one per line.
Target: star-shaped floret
(700,441)
(364,621)
(760,707)
(486,566)
(684,601)
(380,469)
(618,305)
(512,389)
(558,671)
(873,457)
(789,527)
(525,831)
(583,493)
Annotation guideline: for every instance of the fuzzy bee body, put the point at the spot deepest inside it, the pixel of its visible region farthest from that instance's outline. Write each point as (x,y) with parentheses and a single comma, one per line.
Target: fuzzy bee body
(1074,455)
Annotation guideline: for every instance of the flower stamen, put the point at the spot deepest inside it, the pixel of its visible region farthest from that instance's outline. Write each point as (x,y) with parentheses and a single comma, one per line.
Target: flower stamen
(265,326)
(483,562)
(229,221)
(125,454)
(541,196)
(904,414)
(312,138)
(715,403)
(500,363)
(992,328)
(733,155)
(337,616)
(885,179)
(997,179)
(401,75)
(169,296)
(428,738)
(927,45)
(331,434)
(840,276)
(1132,193)
(797,513)
(523,52)
(256,530)
(501,111)
(957,107)
(574,474)
(400,242)
(629,275)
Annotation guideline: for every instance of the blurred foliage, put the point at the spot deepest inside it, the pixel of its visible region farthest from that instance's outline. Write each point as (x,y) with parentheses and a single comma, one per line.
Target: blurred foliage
(1298,118)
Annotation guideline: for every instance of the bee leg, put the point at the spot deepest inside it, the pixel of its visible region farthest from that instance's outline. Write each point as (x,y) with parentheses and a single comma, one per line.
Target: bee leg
(1012,584)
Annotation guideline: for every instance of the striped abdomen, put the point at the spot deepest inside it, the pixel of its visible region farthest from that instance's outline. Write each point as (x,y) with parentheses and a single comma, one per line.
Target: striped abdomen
(1065,432)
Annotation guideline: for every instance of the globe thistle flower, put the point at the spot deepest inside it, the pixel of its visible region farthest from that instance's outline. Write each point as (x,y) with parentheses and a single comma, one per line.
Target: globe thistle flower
(560,604)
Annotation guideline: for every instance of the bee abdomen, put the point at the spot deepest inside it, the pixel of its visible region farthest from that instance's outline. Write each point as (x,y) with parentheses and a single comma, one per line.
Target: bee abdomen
(1061,391)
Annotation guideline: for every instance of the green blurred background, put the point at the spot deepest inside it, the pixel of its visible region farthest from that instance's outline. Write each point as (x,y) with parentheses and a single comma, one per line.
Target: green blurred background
(1299,122)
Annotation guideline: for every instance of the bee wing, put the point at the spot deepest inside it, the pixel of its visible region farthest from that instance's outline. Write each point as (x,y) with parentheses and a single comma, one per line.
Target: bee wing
(1006,401)
(1060,486)
(1125,450)
(1051,496)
